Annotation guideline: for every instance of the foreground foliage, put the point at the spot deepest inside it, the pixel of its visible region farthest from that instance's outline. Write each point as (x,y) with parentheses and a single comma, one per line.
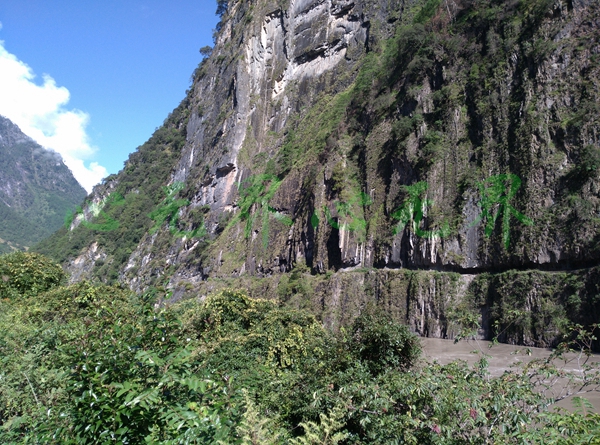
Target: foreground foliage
(93,364)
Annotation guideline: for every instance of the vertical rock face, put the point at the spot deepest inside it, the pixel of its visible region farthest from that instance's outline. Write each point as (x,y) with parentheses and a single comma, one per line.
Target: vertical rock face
(267,65)
(485,123)
(454,136)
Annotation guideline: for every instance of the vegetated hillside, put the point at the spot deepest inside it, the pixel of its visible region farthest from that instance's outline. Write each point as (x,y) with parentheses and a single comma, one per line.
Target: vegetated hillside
(325,147)
(97,364)
(37,190)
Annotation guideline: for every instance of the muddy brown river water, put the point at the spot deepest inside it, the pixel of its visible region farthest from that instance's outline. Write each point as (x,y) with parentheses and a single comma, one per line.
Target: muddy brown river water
(503,357)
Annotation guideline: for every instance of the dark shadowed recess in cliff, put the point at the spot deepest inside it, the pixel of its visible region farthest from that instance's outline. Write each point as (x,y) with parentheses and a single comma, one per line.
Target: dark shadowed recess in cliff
(334,254)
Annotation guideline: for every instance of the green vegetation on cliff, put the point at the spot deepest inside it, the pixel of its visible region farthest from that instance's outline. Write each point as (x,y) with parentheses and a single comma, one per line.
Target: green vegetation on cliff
(129,202)
(460,98)
(451,135)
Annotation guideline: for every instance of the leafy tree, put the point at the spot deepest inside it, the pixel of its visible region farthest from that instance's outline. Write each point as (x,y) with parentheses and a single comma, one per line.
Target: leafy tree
(221,7)
(90,363)
(382,343)
(206,51)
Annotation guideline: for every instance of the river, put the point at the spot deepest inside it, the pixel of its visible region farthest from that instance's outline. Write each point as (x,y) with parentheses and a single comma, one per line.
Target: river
(503,357)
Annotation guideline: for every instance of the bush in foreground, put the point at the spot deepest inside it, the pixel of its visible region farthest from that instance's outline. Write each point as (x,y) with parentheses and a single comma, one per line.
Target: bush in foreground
(93,364)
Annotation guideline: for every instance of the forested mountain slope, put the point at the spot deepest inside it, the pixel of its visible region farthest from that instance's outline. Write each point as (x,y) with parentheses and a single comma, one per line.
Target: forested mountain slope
(440,157)
(37,190)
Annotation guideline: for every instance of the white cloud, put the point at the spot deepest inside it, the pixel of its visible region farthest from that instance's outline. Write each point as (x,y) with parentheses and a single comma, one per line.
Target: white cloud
(39,110)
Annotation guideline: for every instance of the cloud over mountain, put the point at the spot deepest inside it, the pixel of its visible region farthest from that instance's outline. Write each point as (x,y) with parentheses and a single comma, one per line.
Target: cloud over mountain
(39,109)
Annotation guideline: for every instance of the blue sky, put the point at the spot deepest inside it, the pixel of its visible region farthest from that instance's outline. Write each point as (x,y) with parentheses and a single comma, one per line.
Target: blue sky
(93,79)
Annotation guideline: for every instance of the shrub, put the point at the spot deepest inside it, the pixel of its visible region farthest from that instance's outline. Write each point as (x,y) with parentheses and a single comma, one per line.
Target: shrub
(383,343)
(23,273)
(589,161)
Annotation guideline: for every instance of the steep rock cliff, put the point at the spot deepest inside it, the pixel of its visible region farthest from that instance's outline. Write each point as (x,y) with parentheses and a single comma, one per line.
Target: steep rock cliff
(456,135)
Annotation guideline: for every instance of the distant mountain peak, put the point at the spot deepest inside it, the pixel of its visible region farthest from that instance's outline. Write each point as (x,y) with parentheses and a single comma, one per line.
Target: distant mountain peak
(11,134)
(36,189)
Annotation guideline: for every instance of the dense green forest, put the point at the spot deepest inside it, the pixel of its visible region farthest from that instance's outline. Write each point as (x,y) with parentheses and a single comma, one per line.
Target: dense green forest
(94,364)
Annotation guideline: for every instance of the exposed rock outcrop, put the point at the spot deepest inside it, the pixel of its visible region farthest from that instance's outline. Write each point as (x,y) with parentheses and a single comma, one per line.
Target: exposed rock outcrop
(455,137)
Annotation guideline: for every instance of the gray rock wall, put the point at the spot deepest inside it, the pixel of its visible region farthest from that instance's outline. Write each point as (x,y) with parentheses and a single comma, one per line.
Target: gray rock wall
(415,146)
